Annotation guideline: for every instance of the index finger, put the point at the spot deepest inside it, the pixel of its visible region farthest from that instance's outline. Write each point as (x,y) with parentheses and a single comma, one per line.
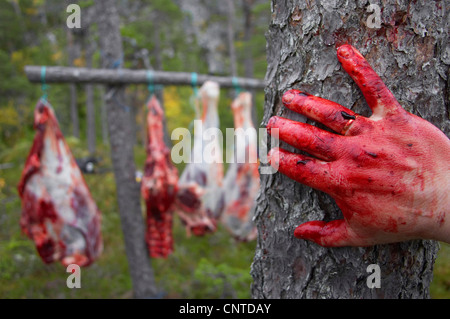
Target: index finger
(378,96)
(329,113)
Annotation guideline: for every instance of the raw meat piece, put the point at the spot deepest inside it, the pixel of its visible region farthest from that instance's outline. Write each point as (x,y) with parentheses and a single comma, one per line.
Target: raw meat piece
(198,198)
(241,184)
(58,212)
(159,185)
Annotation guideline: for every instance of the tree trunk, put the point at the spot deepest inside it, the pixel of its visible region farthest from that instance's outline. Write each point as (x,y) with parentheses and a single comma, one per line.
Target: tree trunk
(74,111)
(248,59)
(89,49)
(119,127)
(73,51)
(248,31)
(230,37)
(210,39)
(90,105)
(103,117)
(411,53)
(159,67)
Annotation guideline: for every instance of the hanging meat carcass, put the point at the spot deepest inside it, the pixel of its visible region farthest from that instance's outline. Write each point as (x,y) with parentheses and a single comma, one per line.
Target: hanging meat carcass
(241,184)
(198,198)
(159,185)
(58,212)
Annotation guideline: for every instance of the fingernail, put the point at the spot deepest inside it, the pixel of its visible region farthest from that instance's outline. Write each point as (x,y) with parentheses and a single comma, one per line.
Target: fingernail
(304,162)
(271,122)
(288,97)
(345,51)
(269,156)
(273,157)
(347,116)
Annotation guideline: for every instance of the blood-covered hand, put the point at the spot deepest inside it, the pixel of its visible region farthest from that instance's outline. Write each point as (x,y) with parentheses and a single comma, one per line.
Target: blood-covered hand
(388,173)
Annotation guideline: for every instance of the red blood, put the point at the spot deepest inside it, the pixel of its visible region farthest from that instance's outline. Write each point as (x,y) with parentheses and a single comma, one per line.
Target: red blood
(159,185)
(389,173)
(198,201)
(188,200)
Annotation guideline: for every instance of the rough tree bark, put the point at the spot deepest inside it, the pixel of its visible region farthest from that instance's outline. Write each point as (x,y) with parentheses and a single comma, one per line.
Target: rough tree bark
(90,107)
(248,59)
(230,37)
(119,130)
(248,31)
(411,52)
(159,67)
(89,49)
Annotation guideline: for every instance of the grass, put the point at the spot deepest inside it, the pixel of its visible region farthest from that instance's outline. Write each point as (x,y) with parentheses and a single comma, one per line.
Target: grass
(214,266)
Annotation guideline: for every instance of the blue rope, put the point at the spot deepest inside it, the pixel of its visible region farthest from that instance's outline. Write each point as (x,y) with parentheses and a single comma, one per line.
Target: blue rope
(44,85)
(150,81)
(194,78)
(237,88)
(151,86)
(194,82)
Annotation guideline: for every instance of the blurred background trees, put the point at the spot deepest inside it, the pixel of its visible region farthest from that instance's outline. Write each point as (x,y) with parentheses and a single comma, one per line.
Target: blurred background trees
(171,35)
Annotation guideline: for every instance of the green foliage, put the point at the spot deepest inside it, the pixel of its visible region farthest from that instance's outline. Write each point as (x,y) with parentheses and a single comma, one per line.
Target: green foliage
(440,286)
(85,4)
(24,39)
(168,9)
(11,85)
(17,153)
(9,125)
(222,280)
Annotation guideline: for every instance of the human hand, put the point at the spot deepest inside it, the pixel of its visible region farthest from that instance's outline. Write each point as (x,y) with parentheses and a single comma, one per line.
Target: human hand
(388,173)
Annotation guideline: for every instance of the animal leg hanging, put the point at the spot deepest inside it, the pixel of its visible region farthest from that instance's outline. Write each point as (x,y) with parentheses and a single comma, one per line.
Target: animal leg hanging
(58,212)
(241,183)
(159,185)
(198,198)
